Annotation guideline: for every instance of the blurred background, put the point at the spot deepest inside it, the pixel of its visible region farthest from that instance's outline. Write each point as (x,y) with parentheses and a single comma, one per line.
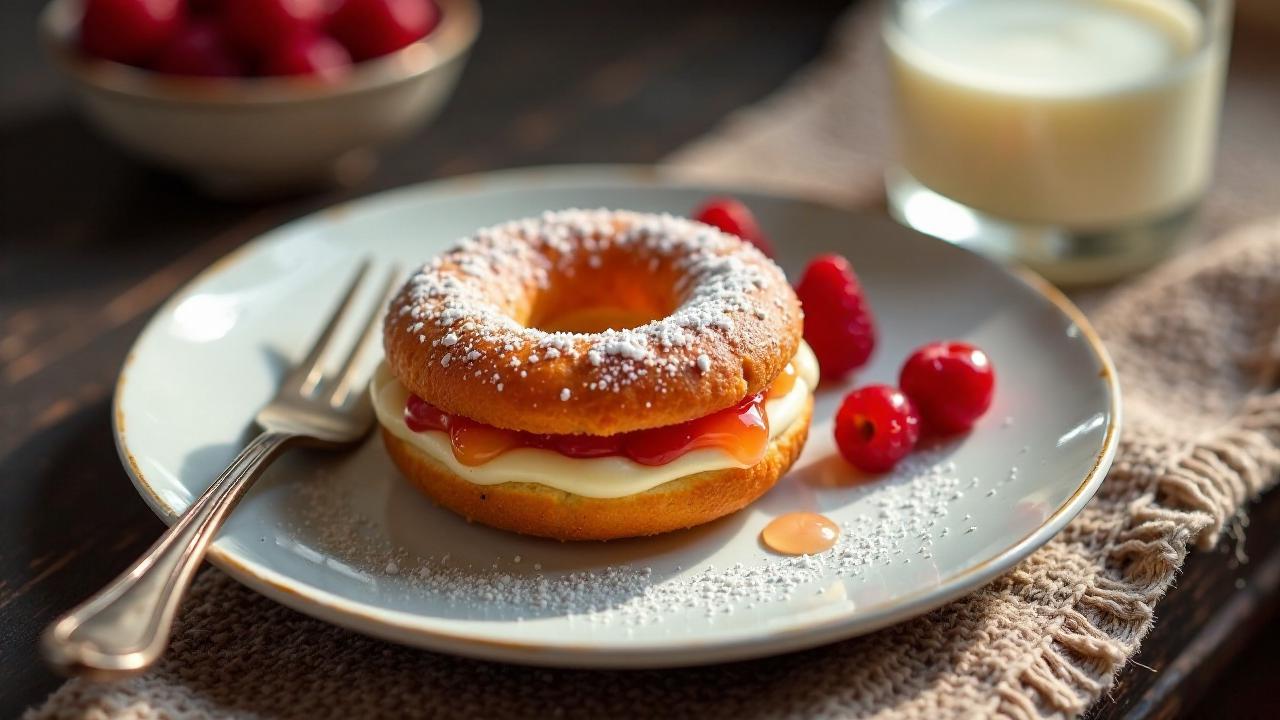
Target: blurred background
(92,240)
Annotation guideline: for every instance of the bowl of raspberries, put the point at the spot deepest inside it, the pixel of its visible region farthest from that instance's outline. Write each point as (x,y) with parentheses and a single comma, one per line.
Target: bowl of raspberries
(253,96)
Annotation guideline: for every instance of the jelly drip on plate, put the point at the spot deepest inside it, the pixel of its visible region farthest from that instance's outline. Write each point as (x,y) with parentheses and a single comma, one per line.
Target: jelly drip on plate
(742,431)
(800,533)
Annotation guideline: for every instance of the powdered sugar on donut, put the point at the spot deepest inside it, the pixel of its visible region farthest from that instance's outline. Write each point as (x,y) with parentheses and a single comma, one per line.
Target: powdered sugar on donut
(467,302)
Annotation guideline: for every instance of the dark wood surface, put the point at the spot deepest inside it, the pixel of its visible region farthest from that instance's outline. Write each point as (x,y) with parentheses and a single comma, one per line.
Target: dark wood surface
(91,243)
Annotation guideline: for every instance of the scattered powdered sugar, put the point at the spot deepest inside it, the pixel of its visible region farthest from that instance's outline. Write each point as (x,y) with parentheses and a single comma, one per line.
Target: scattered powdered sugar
(902,518)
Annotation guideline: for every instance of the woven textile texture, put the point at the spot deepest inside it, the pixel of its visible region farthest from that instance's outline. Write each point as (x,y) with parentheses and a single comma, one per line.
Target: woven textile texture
(1197,349)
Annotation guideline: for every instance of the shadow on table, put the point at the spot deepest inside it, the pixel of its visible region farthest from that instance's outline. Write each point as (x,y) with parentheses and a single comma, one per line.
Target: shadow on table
(79,210)
(63,535)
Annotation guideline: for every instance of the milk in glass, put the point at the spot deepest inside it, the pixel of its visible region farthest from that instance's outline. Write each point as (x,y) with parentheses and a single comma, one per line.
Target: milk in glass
(1079,113)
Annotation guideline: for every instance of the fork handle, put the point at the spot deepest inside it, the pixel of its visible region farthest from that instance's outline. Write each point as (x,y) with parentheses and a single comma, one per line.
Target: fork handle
(123,628)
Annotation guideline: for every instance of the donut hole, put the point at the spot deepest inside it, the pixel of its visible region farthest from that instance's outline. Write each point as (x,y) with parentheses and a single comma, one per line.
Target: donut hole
(596,319)
(611,294)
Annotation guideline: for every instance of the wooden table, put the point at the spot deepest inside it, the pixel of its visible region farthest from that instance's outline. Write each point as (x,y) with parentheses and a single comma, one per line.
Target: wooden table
(93,242)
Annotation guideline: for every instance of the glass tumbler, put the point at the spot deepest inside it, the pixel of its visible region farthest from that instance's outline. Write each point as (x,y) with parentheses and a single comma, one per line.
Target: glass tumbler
(1076,136)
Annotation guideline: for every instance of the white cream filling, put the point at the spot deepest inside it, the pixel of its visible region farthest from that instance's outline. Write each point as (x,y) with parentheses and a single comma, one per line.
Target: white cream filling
(605,477)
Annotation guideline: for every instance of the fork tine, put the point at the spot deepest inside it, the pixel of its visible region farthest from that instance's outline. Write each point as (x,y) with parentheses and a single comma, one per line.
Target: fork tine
(347,377)
(308,373)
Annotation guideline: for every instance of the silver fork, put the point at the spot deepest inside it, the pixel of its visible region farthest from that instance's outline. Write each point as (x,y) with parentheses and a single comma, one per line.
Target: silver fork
(124,628)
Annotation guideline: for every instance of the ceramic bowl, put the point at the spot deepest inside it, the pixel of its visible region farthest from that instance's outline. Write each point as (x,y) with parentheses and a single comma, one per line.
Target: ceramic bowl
(244,136)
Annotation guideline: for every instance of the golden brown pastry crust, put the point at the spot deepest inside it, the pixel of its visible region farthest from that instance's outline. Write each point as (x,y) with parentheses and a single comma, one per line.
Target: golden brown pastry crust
(458,335)
(535,509)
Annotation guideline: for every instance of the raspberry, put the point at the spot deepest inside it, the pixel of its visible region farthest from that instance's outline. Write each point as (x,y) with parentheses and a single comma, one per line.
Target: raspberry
(308,54)
(369,28)
(837,319)
(876,426)
(129,31)
(257,27)
(198,49)
(734,218)
(951,382)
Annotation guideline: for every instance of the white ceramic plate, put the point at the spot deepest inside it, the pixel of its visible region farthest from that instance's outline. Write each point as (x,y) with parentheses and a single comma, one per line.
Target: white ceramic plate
(344,539)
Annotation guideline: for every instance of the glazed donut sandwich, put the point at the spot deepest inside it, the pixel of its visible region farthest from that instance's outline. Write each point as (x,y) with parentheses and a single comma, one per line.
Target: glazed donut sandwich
(589,375)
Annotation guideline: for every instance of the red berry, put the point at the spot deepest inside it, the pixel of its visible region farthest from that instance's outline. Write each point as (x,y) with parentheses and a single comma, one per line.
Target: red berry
(952,383)
(203,8)
(735,218)
(369,28)
(876,426)
(837,319)
(198,49)
(128,31)
(256,27)
(308,54)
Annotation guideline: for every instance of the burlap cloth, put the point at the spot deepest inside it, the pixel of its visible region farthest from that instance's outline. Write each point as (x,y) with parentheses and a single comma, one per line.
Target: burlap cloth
(1197,347)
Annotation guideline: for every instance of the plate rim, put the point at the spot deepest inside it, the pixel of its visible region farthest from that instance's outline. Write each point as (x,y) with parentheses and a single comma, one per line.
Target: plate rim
(398,627)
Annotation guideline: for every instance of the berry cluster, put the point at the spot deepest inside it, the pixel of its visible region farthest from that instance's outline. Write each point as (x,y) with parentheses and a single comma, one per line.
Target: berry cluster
(231,38)
(945,386)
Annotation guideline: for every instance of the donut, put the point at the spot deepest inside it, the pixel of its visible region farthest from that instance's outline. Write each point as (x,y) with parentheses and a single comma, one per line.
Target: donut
(595,374)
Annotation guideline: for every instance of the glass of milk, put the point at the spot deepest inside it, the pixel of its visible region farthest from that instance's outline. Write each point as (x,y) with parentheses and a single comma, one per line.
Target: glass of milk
(1076,136)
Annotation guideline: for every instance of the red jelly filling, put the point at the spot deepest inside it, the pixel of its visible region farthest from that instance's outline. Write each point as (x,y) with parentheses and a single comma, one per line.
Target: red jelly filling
(742,431)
